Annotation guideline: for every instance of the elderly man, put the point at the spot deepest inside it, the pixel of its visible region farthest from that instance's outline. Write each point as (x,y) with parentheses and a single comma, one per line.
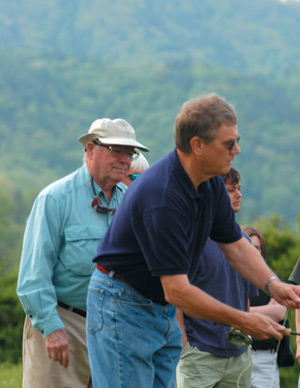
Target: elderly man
(62,234)
(152,247)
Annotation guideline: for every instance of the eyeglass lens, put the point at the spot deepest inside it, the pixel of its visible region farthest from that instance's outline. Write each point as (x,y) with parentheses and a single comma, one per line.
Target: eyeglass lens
(232,143)
(118,151)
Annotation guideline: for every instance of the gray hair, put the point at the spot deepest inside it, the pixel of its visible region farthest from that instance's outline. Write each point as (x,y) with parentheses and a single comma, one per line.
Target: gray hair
(84,152)
(139,164)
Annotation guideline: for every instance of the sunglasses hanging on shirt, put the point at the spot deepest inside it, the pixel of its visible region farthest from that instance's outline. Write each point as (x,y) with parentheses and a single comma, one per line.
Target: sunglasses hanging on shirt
(97,202)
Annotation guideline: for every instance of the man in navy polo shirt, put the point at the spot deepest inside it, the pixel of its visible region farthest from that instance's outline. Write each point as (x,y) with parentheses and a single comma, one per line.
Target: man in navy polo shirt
(152,247)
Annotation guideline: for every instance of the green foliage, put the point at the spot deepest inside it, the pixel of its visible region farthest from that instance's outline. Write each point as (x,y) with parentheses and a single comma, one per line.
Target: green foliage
(11,320)
(282,245)
(10,375)
(11,229)
(11,313)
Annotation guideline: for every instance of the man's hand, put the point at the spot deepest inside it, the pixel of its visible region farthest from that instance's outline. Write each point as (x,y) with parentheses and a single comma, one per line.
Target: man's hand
(286,294)
(57,347)
(261,327)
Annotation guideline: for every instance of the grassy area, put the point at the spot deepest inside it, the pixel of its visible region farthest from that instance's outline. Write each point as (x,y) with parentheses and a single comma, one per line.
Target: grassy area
(10,375)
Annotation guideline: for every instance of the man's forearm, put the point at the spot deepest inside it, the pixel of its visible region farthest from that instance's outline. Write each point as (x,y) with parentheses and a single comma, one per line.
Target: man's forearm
(196,303)
(247,261)
(272,310)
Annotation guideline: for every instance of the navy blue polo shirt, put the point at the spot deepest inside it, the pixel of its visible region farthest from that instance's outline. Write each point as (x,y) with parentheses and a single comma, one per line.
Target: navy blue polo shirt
(162,225)
(217,278)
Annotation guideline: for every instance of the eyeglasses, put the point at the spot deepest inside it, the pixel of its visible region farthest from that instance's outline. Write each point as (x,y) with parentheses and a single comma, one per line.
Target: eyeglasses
(230,144)
(133,176)
(118,151)
(97,202)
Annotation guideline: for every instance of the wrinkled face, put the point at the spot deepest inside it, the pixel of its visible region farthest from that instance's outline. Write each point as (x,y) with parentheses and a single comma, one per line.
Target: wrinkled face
(106,166)
(219,154)
(234,192)
(256,243)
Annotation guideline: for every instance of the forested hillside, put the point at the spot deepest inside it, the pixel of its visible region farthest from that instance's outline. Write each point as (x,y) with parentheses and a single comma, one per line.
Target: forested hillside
(66,63)
(250,35)
(59,100)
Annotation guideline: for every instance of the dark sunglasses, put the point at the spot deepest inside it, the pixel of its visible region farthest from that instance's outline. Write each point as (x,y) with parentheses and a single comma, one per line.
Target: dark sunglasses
(97,202)
(133,176)
(231,144)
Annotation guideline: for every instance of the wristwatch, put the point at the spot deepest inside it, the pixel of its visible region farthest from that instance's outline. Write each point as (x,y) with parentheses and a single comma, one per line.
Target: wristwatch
(268,284)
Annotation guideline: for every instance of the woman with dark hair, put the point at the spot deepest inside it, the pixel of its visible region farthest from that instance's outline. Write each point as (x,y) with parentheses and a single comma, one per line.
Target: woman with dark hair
(265,370)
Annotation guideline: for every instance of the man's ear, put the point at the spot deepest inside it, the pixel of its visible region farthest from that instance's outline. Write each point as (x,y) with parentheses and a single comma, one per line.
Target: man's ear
(197,145)
(89,149)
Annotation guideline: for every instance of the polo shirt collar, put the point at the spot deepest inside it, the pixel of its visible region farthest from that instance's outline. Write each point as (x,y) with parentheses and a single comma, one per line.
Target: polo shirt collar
(203,189)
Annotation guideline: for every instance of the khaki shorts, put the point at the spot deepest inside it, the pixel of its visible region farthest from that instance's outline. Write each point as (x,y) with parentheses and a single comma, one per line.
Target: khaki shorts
(41,372)
(202,369)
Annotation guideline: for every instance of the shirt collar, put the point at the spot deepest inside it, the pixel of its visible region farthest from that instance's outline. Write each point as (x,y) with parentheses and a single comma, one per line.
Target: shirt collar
(203,189)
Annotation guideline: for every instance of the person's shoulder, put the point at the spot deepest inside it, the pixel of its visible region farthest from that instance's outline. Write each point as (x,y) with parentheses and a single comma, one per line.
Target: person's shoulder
(61,185)
(244,234)
(154,178)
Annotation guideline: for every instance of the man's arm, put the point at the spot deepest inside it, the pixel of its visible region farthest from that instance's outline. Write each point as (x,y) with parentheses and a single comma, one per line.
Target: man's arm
(246,260)
(273,310)
(196,303)
(35,285)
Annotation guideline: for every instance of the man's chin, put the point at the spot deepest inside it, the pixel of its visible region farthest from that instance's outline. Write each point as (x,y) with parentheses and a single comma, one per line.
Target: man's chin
(117,178)
(226,169)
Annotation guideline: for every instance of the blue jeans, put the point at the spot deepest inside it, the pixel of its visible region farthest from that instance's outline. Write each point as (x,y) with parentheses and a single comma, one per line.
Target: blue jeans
(132,342)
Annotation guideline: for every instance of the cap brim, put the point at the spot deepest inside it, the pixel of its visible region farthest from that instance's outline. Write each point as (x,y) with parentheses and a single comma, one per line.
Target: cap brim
(122,141)
(84,139)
